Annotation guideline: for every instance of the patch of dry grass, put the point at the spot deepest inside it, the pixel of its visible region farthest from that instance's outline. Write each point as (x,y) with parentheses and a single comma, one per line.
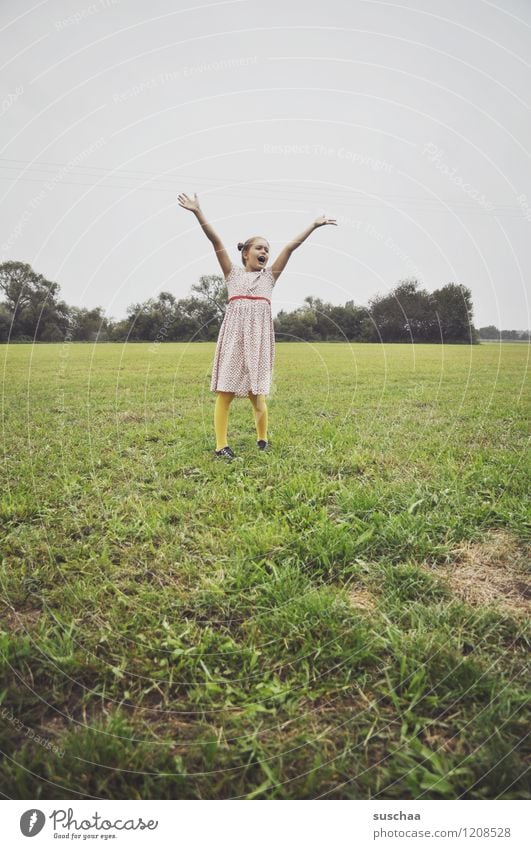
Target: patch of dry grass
(362,598)
(494,571)
(19,620)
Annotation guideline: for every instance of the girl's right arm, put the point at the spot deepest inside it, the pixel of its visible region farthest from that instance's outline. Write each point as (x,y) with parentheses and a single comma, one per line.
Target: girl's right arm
(210,233)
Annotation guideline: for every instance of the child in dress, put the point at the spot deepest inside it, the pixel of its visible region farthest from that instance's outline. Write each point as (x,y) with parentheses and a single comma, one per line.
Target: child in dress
(245,350)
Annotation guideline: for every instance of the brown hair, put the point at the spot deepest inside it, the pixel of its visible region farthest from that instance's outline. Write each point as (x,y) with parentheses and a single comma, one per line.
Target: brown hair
(243,246)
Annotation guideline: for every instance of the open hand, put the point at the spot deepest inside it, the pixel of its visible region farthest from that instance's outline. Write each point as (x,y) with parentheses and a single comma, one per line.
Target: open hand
(188,203)
(324,220)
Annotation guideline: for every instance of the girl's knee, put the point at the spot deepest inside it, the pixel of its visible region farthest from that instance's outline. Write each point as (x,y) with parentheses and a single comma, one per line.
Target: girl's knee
(258,402)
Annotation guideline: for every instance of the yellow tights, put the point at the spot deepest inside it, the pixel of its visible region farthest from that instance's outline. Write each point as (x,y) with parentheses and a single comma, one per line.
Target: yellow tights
(221,416)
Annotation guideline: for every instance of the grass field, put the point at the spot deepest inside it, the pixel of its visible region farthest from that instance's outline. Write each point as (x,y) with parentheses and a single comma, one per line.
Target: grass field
(345,616)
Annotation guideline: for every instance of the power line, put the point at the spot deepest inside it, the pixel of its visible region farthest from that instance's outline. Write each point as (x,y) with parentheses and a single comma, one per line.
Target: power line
(274,191)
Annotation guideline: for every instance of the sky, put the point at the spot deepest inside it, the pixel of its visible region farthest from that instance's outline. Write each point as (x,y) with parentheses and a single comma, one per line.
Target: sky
(408,122)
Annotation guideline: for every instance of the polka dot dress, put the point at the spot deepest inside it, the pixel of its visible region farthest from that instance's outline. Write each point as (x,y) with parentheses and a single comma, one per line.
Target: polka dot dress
(245,350)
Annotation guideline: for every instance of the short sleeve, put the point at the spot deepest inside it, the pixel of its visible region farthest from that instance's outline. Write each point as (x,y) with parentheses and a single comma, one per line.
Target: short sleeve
(231,273)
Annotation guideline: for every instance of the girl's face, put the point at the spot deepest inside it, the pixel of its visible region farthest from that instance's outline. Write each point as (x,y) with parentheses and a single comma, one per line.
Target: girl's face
(257,255)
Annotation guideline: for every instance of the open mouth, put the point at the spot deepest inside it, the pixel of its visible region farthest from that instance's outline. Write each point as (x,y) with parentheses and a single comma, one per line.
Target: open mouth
(261,259)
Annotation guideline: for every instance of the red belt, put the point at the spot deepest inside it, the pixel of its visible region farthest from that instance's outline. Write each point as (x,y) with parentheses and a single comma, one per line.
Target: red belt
(252,297)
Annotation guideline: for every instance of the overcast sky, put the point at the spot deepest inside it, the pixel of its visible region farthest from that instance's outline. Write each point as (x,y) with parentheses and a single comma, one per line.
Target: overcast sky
(409,122)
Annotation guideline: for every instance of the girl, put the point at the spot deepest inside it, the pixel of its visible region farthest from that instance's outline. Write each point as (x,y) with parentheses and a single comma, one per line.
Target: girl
(245,350)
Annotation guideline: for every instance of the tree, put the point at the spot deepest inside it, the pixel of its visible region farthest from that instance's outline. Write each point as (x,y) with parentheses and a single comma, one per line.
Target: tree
(489,332)
(212,288)
(406,314)
(389,321)
(88,325)
(297,326)
(203,315)
(164,319)
(32,303)
(419,309)
(32,310)
(141,321)
(18,282)
(453,304)
(5,323)
(348,321)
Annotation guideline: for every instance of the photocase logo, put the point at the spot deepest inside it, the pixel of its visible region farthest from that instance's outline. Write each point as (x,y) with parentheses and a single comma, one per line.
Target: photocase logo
(31,822)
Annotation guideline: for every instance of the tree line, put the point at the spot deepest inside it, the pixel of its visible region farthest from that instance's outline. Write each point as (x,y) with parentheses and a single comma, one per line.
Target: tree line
(492,332)
(32,310)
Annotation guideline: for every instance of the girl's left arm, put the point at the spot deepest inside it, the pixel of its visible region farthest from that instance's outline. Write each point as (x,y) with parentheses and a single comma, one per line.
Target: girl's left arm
(281,260)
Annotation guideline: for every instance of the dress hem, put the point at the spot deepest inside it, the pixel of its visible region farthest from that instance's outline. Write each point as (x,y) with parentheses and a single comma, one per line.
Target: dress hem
(240,394)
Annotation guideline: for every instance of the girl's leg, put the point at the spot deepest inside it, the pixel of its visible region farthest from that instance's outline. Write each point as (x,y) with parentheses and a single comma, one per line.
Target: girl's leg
(221,418)
(260,414)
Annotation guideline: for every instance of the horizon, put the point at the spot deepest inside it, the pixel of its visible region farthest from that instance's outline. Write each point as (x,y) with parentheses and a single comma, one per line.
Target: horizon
(409,126)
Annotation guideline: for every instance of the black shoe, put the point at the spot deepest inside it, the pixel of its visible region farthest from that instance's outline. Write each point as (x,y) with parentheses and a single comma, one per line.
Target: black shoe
(262,444)
(226,452)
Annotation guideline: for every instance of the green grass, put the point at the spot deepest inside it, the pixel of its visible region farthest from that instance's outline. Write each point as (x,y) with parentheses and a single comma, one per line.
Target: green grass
(176,626)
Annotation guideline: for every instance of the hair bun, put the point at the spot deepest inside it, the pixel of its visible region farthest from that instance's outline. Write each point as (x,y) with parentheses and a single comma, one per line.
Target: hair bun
(240,246)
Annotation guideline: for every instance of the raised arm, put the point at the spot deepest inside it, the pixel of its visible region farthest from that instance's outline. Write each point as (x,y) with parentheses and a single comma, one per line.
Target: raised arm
(281,260)
(210,233)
